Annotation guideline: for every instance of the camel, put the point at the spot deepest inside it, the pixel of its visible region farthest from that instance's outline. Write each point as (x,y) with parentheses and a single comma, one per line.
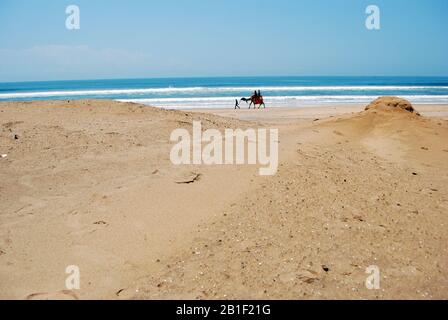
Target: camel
(255,99)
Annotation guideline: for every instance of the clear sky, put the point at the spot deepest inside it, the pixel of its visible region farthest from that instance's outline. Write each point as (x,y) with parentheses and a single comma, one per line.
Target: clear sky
(163,38)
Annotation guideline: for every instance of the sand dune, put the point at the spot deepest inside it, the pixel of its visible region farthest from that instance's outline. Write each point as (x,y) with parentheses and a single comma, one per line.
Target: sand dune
(90,183)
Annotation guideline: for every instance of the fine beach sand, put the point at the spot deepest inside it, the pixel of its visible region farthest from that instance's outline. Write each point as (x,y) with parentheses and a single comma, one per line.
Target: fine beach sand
(89,183)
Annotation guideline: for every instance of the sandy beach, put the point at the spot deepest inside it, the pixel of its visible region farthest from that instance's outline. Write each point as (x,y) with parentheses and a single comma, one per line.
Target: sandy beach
(90,183)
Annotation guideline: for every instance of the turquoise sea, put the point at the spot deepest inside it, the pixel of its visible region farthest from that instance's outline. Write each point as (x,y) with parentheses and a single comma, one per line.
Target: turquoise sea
(222,91)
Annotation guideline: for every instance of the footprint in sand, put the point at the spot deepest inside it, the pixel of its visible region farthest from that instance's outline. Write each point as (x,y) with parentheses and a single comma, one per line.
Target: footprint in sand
(338,133)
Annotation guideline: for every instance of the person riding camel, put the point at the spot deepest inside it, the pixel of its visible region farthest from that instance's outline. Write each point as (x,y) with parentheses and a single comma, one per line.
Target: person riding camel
(255,99)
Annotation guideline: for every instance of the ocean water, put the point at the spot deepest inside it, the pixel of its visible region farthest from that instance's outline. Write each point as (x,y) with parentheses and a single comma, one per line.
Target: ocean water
(174,93)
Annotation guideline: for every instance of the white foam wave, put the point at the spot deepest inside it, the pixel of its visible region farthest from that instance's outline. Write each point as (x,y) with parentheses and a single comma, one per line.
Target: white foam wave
(208,90)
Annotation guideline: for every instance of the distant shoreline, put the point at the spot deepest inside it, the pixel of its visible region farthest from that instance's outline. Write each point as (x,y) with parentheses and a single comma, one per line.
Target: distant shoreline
(270,114)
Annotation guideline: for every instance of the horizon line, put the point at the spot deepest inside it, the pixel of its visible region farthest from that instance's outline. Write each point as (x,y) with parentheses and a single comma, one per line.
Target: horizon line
(238,76)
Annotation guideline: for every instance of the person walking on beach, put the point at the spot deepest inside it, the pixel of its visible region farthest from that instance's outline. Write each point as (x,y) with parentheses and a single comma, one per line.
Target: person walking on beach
(237,104)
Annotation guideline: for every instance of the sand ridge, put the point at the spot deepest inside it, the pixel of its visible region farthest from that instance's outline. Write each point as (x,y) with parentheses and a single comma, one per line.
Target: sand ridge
(369,189)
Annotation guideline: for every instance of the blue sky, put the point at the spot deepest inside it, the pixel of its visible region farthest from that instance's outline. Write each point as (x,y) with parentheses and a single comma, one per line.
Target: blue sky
(163,38)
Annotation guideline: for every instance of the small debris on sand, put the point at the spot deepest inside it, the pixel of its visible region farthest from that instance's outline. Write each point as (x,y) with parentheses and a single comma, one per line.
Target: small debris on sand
(191,179)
